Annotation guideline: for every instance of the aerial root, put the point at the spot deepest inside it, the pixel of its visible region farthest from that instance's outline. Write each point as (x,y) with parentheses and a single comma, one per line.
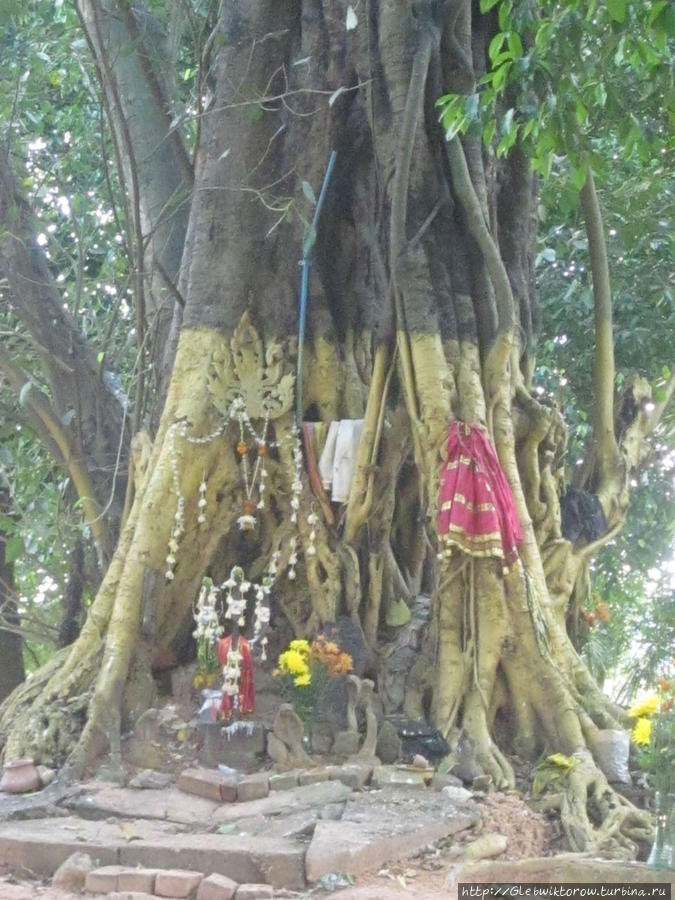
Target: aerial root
(620,823)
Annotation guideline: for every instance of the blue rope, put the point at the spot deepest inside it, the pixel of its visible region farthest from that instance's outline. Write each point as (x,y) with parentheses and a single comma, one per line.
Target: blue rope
(307,248)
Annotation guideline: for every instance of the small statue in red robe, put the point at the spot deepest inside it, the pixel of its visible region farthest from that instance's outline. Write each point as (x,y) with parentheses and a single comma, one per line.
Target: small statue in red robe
(237,664)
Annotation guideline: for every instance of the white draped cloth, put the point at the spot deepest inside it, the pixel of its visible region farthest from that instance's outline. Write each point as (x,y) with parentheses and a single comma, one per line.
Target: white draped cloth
(338,458)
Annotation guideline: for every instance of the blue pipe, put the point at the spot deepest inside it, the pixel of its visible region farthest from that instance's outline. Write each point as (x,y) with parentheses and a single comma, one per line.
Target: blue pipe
(307,247)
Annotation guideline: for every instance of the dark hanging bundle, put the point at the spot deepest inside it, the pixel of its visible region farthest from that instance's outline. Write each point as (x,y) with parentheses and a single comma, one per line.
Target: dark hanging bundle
(582,516)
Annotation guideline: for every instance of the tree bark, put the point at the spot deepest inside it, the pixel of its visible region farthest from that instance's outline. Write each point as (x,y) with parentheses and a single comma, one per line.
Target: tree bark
(130,49)
(11,643)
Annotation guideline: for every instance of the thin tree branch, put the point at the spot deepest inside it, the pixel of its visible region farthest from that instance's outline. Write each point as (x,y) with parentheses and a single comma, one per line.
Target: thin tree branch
(603,365)
(41,406)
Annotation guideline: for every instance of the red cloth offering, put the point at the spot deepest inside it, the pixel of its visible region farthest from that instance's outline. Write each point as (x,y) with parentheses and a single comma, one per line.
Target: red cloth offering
(476,509)
(246,688)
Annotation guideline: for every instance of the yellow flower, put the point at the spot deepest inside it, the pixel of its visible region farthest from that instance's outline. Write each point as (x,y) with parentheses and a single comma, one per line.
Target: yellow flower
(292,662)
(646,707)
(300,646)
(303,680)
(642,732)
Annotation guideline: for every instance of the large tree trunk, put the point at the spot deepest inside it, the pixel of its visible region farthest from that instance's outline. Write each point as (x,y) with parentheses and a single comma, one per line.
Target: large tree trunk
(11,643)
(421,312)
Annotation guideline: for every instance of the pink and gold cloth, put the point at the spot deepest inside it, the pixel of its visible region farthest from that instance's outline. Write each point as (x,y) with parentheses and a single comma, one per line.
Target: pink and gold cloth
(476,509)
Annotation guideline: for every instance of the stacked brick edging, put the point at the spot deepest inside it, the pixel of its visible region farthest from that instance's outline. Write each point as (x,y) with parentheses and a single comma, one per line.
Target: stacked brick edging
(124,883)
(214,785)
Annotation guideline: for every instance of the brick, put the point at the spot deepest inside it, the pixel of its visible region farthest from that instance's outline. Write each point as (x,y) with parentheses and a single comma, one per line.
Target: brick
(176,882)
(254,892)
(131,895)
(314,776)
(385,776)
(208,783)
(284,781)
(253,787)
(217,887)
(103,880)
(140,880)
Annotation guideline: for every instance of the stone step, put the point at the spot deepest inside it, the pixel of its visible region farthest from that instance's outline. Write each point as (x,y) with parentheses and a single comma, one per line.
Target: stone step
(382,827)
(42,845)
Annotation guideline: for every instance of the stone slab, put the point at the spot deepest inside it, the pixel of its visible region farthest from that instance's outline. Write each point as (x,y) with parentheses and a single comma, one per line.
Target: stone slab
(43,855)
(279,802)
(379,828)
(40,846)
(276,861)
(234,749)
(171,804)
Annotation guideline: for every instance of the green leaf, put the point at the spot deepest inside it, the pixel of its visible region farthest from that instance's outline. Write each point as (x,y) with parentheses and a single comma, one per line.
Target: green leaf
(500,76)
(515,44)
(489,132)
(567,763)
(616,10)
(486,5)
(496,45)
(308,191)
(579,176)
(665,371)
(503,15)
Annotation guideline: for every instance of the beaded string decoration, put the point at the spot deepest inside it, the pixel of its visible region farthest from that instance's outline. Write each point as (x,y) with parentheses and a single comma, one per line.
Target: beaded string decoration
(254,476)
(257,478)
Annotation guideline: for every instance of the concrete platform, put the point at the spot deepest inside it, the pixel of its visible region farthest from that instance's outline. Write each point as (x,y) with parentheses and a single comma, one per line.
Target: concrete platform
(40,846)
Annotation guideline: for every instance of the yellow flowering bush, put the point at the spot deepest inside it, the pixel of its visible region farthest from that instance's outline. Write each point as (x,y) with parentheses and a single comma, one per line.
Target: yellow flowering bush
(646,707)
(654,734)
(304,670)
(642,731)
(295,663)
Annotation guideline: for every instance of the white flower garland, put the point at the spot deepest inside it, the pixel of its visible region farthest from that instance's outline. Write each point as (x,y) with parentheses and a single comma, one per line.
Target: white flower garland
(255,484)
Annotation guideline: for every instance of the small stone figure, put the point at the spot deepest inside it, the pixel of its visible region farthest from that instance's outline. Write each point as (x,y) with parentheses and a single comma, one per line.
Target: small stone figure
(389,747)
(287,736)
(367,750)
(346,742)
